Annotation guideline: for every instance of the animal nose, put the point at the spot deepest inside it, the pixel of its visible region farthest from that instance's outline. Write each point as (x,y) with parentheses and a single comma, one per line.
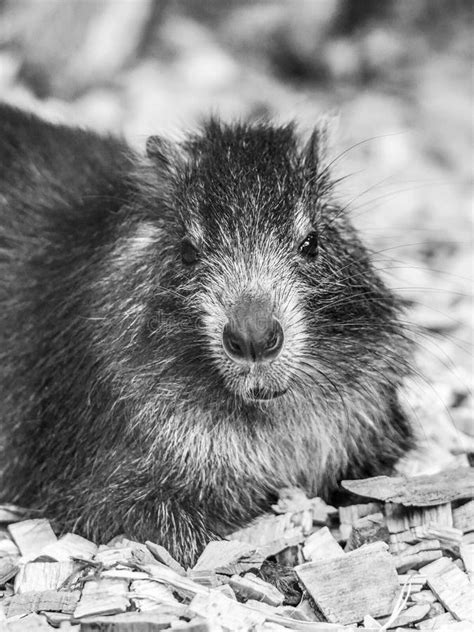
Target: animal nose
(253,338)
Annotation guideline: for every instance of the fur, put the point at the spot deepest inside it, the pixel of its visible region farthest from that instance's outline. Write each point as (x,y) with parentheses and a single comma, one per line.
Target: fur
(121,412)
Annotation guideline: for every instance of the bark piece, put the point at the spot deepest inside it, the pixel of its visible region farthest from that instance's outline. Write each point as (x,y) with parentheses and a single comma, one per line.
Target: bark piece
(348,587)
(321,545)
(452,587)
(228,557)
(463,517)
(162,555)
(34,601)
(40,576)
(103,597)
(31,536)
(421,491)
(252,587)
(69,546)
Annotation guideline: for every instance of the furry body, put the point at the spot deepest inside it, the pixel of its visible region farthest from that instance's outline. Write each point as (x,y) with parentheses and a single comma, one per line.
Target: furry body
(120,411)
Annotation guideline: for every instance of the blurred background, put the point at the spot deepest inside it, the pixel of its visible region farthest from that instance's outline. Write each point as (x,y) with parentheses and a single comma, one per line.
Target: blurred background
(397,74)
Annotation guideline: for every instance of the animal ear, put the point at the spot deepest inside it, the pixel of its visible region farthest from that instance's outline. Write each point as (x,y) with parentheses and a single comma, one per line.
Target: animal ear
(316,150)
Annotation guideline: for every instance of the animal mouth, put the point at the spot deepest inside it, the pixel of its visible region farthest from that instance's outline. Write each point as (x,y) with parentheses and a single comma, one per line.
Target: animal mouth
(264,394)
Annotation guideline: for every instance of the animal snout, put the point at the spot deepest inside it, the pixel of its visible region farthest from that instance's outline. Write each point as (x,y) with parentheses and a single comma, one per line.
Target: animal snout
(252,334)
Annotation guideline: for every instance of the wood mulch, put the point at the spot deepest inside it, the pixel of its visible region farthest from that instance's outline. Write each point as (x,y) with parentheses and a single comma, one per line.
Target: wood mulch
(400,557)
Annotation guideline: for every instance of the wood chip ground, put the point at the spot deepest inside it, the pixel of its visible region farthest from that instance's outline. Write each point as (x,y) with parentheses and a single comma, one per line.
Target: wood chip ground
(403,560)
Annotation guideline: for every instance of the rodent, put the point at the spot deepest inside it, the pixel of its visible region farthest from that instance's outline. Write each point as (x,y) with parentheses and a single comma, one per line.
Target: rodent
(187,332)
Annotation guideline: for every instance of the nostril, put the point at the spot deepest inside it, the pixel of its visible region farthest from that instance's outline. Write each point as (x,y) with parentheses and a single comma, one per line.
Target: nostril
(232,342)
(253,344)
(274,341)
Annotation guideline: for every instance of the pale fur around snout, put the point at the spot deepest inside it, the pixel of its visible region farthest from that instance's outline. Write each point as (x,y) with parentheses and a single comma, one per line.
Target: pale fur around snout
(263,273)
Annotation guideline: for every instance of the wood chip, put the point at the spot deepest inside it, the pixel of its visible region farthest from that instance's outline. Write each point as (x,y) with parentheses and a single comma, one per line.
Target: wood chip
(413,579)
(272,534)
(12,513)
(294,500)
(467,556)
(69,546)
(228,557)
(226,590)
(57,619)
(197,624)
(424,596)
(401,519)
(30,623)
(351,513)
(371,528)
(8,568)
(436,609)
(418,555)
(225,612)
(321,545)
(204,578)
(436,623)
(252,587)
(424,490)
(452,587)
(463,517)
(33,601)
(40,576)
(124,573)
(348,587)
(124,551)
(162,555)
(129,622)
(408,616)
(8,547)
(291,499)
(103,597)
(276,616)
(147,594)
(31,536)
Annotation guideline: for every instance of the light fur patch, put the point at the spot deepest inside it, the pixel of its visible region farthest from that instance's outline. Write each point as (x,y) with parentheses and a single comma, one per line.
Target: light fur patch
(265,277)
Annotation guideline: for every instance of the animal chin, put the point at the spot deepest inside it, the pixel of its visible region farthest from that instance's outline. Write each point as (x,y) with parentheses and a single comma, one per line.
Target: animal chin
(263,394)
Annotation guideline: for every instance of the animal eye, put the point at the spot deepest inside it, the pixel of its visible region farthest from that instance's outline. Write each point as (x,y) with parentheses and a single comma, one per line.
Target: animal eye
(309,246)
(189,252)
